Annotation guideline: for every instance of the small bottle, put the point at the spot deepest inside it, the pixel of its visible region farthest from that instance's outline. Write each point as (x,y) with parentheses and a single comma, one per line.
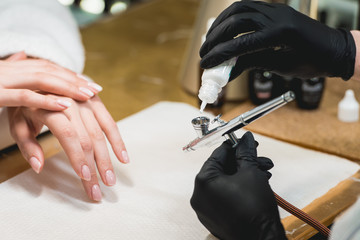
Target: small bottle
(213,80)
(309,92)
(262,86)
(348,108)
(214,107)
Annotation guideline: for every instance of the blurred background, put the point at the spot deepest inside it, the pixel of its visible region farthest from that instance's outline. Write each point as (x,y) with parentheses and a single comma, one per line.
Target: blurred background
(335,13)
(88,11)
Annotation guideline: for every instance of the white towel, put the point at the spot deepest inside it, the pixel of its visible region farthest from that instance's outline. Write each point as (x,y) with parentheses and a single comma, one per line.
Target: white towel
(152,194)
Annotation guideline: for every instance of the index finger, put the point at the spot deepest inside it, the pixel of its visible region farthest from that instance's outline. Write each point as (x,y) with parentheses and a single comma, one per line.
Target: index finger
(28,98)
(221,161)
(63,130)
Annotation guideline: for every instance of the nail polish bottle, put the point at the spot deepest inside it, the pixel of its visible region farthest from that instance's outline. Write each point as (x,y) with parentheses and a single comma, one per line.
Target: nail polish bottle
(262,86)
(309,92)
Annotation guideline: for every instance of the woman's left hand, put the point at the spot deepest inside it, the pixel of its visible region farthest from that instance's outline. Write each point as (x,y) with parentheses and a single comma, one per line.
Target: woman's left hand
(80,130)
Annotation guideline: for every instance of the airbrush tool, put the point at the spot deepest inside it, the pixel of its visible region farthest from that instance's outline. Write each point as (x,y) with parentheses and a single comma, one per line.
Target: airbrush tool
(225,129)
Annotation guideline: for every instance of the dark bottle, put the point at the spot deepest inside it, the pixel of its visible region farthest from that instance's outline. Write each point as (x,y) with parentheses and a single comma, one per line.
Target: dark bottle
(263,86)
(309,92)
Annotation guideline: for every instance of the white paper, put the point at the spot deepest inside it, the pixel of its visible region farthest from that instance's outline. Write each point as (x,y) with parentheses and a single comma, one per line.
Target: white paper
(152,194)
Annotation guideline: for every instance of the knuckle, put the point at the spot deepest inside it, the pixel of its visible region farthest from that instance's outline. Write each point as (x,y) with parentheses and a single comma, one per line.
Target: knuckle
(24,95)
(86,144)
(67,132)
(232,20)
(97,134)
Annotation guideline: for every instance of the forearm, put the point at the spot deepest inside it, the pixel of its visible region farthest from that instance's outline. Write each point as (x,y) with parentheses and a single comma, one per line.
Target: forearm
(356,35)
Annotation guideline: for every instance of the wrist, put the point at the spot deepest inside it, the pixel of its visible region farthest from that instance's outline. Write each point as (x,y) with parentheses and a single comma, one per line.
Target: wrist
(356,36)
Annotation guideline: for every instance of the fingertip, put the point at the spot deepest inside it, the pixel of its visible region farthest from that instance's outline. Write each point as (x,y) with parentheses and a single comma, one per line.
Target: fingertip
(96,193)
(110,177)
(95,87)
(35,164)
(85,173)
(63,103)
(124,157)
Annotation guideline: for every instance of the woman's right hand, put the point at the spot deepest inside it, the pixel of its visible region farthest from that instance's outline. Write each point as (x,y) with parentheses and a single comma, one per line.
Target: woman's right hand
(22,80)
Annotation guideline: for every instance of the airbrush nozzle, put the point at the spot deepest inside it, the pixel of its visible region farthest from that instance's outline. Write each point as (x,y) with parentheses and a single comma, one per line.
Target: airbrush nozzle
(226,129)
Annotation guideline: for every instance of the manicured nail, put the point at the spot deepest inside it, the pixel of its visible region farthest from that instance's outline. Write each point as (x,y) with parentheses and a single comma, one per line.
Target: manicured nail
(86,91)
(110,177)
(85,171)
(86,78)
(96,193)
(125,156)
(35,164)
(95,86)
(63,103)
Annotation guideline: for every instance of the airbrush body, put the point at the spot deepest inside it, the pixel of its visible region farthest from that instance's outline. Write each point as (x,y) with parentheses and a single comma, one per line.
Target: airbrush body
(208,137)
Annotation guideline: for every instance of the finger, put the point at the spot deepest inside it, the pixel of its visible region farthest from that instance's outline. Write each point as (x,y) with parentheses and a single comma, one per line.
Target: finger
(218,163)
(26,141)
(48,77)
(91,184)
(28,98)
(246,44)
(265,163)
(246,154)
(66,134)
(109,127)
(61,86)
(231,28)
(17,56)
(92,187)
(239,7)
(68,75)
(97,137)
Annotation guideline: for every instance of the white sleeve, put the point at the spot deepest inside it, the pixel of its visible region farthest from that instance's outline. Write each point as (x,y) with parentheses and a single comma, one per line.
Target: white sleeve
(43,29)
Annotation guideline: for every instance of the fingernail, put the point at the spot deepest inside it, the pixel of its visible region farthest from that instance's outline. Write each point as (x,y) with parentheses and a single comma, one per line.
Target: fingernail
(110,177)
(96,193)
(63,103)
(35,164)
(83,77)
(95,86)
(86,91)
(125,156)
(85,171)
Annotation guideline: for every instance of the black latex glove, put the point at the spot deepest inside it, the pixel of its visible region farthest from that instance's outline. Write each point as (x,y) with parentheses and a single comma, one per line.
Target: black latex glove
(285,41)
(232,197)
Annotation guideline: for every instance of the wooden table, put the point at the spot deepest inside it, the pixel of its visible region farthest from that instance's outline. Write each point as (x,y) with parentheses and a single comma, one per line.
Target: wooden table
(137,57)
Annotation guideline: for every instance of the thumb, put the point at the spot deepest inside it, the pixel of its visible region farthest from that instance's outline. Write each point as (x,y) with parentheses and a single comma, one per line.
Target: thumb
(17,56)
(218,163)
(246,154)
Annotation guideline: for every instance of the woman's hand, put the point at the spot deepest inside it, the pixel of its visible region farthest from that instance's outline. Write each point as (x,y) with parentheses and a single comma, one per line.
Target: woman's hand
(21,80)
(80,130)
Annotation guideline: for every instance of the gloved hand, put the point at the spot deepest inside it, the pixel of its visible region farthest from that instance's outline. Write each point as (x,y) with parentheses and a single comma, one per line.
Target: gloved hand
(281,40)
(232,197)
